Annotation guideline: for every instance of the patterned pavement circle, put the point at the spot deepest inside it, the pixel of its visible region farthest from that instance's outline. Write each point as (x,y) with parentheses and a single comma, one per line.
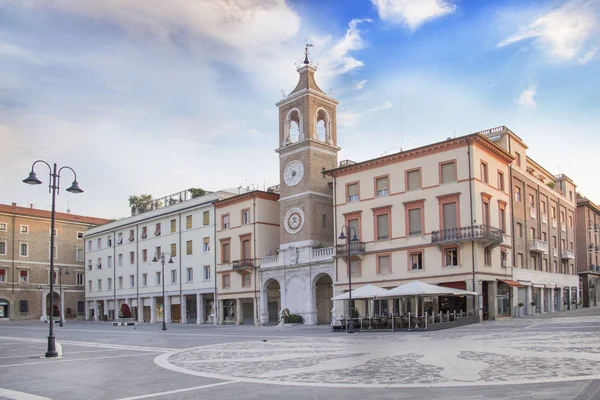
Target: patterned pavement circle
(463,357)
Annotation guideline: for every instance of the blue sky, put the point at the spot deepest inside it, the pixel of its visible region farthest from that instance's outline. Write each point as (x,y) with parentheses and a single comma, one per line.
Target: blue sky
(148,96)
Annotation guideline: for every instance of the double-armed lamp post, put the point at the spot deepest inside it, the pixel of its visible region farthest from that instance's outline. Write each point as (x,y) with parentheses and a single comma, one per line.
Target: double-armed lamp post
(161,256)
(349,230)
(54,189)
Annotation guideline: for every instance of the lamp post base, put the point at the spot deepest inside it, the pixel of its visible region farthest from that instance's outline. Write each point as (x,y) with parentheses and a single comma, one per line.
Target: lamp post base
(51,353)
(60,324)
(164,328)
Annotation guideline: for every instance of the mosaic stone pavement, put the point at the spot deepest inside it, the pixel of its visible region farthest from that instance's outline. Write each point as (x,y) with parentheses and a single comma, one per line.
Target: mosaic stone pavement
(454,357)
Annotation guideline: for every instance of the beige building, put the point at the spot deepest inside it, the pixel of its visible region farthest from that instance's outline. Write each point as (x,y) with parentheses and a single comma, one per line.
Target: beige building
(247,226)
(543,209)
(439,213)
(25,262)
(588,249)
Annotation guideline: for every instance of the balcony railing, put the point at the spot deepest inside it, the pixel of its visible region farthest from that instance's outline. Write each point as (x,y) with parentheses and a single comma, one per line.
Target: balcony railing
(555,252)
(468,233)
(355,248)
(244,263)
(568,255)
(554,222)
(538,245)
(532,212)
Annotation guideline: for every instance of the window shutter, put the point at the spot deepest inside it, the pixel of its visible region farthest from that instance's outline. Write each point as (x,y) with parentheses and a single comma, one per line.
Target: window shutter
(450,216)
(353,227)
(384,264)
(414,221)
(382,226)
(382,184)
(353,190)
(448,173)
(173,249)
(414,180)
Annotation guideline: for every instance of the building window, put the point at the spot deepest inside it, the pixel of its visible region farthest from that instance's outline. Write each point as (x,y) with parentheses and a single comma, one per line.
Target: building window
(517,194)
(144,232)
(544,236)
(520,230)
(206,218)
(504,258)
(449,217)
(414,221)
(448,172)
(120,259)
(570,195)
(89,286)
(382,186)
(25,229)
(383,226)
(355,267)
(225,221)
(188,247)
(24,250)
(383,265)
(173,249)
(245,217)
(352,192)
(80,307)
(109,262)
(3,249)
(145,255)
(324,221)
(2,276)
(157,252)
(120,281)
(226,283)
(246,280)
(3,229)
(109,284)
(89,245)
(533,235)
(157,279)
(23,276)
(484,172)
(131,281)
(206,272)
(487,256)
(89,265)
(206,244)
(145,279)
(451,257)
(518,158)
(55,252)
(173,276)
(99,243)
(55,232)
(502,213)
(109,241)
(413,180)
(188,222)
(23,306)
(120,238)
(173,226)
(531,201)
(416,260)
(99,263)
(189,275)
(79,279)
(570,221)
(79,254)
(131,235)
(99,282)
(225,256)
(501,180)
(246,253)
(157,229)
(520,260)
(131,257)
(545,265)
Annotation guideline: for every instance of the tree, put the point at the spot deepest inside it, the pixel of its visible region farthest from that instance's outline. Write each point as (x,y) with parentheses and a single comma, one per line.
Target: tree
(197,192)
(141,203)
(125,312)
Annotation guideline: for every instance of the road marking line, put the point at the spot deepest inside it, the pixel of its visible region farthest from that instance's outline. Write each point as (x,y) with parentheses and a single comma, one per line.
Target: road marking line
(91,344)
(145,396)
(62,360)
(13,394)
(70,353)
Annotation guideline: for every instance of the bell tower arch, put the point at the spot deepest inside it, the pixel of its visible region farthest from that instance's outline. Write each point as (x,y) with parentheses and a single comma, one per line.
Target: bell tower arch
(307,147)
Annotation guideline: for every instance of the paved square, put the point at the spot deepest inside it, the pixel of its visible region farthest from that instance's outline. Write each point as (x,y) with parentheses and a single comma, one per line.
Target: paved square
(547,357)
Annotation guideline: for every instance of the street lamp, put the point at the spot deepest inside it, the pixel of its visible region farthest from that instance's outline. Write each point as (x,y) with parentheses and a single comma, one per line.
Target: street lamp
(54,188)
(62,301)
(349,231)
(162,262)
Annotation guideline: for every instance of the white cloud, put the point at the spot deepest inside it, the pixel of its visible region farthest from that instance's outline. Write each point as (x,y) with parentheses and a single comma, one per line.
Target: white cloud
(412,13)
(348,119)
(587,57)
(360,85)
(526,99)
(564,32)
(8,50)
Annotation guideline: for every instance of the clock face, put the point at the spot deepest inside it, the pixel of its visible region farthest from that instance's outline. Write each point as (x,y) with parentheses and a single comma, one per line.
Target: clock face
(293,173)
(294,220)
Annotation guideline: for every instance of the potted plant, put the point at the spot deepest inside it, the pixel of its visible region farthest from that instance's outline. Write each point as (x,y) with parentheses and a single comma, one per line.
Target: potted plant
(521,309)
(533,304)
(124,312)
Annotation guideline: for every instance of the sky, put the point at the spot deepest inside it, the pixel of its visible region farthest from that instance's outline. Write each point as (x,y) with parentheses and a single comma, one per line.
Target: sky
(150,96)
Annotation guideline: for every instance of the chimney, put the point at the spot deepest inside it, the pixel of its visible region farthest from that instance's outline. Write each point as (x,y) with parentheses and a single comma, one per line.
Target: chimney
(14,204)
(31,206)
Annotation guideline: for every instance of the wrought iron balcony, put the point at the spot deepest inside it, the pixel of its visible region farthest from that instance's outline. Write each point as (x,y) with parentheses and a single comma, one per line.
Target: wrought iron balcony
(355,249)
(591,247)
(244,263)
(538,246)
(568,255)
(467,234)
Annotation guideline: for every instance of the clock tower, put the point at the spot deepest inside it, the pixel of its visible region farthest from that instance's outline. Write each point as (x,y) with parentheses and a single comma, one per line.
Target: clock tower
(307,147)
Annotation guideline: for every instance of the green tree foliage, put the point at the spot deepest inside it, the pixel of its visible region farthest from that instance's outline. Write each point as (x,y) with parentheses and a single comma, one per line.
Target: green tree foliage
(197,192)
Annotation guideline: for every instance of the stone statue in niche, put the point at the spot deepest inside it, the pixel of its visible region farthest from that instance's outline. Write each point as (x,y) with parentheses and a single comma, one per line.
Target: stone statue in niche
(293,255)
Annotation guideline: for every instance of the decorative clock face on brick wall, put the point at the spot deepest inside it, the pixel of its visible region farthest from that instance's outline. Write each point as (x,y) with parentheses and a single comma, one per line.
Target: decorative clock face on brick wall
(293,173)
(294,220)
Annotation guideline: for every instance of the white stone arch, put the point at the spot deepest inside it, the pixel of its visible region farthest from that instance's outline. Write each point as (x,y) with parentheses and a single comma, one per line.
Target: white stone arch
(322,292)
(271,301)
(321,114)
(293,115)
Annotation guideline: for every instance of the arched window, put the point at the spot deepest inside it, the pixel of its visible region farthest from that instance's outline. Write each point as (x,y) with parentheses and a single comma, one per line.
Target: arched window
(322,126)
(293,127)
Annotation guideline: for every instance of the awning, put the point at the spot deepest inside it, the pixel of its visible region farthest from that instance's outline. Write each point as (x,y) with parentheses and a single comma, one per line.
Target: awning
(538,285)
(550,285)
(511,283)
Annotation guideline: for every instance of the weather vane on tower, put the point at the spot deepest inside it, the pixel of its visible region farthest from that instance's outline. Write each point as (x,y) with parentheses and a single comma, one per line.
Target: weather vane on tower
(307,60)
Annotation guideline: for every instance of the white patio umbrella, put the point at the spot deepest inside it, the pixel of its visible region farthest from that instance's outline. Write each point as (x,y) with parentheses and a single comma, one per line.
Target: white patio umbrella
(416,288)
(364,292)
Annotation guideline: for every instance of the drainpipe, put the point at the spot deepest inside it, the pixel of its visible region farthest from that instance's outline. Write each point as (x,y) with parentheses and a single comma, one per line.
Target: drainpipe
(335,225)
(512,217)
(13,258)
(472,218)
(114,275)
(256,300)
(216,305)
(137,271)
(181,276)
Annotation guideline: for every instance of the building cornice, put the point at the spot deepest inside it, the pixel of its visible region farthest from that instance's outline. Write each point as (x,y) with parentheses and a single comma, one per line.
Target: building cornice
(259,194)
